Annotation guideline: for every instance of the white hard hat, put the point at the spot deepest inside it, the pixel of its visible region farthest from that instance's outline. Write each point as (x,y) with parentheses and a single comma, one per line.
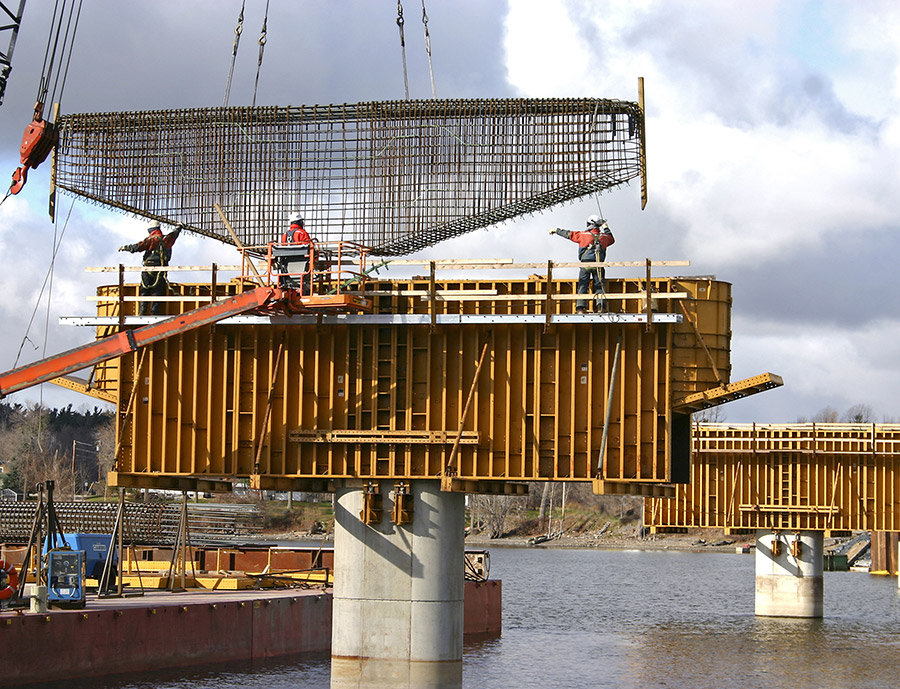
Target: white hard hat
(594,221)
(296,217)
(153,226)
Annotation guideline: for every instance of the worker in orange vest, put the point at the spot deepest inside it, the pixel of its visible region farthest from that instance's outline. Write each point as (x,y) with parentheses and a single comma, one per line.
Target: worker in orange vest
(157,250)
(298,261)
(592,244)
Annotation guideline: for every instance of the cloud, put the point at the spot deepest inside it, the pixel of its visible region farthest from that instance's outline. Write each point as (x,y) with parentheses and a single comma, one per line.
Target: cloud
(773,145)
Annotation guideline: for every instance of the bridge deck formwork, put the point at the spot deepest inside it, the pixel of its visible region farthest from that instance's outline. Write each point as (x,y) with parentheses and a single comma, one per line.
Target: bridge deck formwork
(799,477)
(398,393)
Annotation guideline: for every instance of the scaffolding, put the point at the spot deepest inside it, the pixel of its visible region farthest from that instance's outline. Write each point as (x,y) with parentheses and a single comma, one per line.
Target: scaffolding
(394,176)
(827,477)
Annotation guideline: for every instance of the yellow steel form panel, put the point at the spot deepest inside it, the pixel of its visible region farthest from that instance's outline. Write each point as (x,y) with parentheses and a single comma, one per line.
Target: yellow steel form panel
(250,399)
(826,477)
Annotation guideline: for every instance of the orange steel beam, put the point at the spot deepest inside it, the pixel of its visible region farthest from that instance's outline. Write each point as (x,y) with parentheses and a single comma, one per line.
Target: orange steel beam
(127,341)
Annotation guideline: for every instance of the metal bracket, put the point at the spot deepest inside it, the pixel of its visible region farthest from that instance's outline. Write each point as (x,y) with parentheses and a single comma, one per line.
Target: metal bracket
(796,546)
(775,548)
(402,512)
(371,512)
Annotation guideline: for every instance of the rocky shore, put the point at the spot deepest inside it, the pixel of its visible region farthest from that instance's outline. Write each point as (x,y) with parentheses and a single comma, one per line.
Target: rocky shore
(709,541)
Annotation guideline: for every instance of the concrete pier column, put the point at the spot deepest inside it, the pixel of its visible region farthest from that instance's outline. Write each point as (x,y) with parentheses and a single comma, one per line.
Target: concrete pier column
(789,574)
(398,589)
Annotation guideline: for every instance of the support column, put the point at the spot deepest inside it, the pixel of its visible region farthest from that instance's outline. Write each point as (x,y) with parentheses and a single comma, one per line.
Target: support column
(398,589)
(789,574)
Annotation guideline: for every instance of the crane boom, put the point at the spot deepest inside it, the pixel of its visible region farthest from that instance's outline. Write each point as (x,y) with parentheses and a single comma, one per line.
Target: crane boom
(127,341)
(13,28)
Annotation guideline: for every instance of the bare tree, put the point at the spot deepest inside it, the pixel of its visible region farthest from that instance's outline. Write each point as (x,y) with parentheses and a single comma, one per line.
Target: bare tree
(546,496)
(494,509)
(826,414)
(23,440)
(714,414)
(106,457)
(859,413)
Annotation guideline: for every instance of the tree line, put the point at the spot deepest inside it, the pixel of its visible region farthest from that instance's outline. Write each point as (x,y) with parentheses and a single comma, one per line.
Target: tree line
(72,447)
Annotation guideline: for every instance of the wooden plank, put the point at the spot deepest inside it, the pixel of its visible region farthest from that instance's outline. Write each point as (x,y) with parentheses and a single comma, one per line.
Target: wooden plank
(439,264)
(164,269)
(117,479)
(554,297)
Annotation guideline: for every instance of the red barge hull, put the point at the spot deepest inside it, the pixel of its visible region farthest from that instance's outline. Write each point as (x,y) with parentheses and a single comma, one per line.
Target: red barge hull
(165,630)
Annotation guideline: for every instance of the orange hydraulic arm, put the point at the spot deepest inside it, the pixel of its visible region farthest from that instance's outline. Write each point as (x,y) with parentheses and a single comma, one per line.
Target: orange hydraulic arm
(129,340)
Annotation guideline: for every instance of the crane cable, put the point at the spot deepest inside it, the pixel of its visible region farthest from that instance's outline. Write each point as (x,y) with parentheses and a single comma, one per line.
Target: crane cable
(234,51)
(60,67)
(47,278)
(262,46)
(41,135)
(428,49)
(400,22)
(50,64)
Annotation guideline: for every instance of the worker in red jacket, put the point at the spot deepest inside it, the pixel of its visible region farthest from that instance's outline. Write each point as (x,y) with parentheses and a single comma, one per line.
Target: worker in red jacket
(296,234)
(157,250)
(294,260)
(592,245)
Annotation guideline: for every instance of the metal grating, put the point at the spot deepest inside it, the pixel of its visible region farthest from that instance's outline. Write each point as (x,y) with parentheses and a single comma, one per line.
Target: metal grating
(395,176)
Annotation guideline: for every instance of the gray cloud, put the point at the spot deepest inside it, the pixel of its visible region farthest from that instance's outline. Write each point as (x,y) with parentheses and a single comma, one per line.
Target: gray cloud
(786,189)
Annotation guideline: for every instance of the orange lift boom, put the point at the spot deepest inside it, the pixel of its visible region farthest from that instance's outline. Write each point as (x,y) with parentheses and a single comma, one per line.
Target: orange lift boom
(127,341)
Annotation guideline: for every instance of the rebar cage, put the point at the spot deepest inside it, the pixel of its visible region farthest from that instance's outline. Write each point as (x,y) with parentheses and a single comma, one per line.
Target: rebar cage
(395,176)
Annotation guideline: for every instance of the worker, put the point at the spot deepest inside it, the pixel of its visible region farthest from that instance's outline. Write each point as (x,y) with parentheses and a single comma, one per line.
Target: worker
(294,249)
(592,249)
(157,250)
(296,234)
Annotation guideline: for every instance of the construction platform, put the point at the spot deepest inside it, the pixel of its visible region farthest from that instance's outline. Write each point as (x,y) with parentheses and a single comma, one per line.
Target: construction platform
(835,478)
(188,628)
(484,383)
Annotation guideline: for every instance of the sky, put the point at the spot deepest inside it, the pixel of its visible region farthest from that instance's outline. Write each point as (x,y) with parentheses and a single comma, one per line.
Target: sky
(773,144)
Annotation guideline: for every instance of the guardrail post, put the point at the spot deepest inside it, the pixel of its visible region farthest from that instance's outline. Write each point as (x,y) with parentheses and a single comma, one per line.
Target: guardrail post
(548,301)
(121,296)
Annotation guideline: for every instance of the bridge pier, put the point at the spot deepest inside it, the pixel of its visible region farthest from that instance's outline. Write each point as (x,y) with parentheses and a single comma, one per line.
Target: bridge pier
(789,574)
(398,588)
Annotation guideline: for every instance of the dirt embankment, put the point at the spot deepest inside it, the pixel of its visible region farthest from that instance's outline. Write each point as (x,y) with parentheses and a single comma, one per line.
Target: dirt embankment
(700,541)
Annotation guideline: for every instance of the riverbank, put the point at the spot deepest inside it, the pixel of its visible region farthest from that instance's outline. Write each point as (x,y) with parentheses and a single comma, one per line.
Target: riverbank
(705,540)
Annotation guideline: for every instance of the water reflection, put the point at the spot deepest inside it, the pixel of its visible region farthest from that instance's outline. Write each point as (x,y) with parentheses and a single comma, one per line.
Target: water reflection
(592,619)
(391,674)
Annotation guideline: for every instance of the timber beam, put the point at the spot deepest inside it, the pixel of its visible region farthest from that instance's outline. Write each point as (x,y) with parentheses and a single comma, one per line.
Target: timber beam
(380,436)
(727,393)
(291,483)
(649,490)
(454,484)
(190,484)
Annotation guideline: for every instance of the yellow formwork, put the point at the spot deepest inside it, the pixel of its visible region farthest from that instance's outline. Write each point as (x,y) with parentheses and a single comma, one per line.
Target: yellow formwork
(823,477)
(320,399)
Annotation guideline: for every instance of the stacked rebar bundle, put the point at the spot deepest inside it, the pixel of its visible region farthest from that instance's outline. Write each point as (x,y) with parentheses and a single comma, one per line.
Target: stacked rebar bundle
(145,523)
(395,176)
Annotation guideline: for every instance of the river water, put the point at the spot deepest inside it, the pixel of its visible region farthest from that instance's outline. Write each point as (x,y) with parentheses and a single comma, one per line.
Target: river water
(633,620)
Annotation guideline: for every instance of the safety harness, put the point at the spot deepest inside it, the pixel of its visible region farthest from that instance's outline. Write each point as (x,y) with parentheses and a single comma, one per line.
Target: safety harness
(158,256)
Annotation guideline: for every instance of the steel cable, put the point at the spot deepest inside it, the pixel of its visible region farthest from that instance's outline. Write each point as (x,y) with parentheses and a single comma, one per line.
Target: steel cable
(262,47)
(234,51)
